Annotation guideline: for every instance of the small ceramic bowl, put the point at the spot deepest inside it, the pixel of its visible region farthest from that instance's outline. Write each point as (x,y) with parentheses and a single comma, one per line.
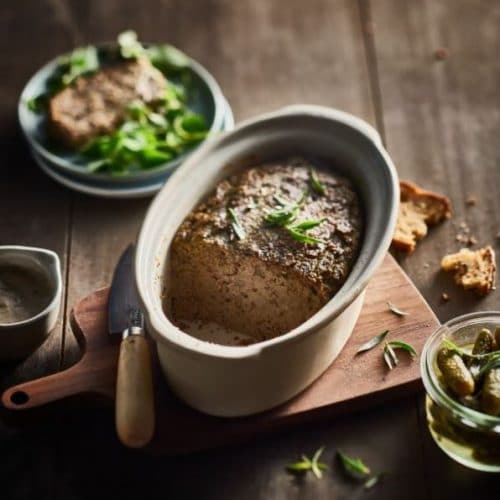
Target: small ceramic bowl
(204,97)
(18,339)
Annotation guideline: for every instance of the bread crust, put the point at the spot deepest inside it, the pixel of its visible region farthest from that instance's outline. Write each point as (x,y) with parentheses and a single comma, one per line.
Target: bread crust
(418,209)
(474,269)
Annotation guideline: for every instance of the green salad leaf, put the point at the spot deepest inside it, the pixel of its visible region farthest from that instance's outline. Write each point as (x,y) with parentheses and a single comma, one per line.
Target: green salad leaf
(150,134)
(167,58)
(80,62)
(130,47)
(148,137)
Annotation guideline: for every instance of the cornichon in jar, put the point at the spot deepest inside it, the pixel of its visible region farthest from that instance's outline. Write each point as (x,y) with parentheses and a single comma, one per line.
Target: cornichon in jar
(455,374)
(484,343)
(497,338)
(490,398)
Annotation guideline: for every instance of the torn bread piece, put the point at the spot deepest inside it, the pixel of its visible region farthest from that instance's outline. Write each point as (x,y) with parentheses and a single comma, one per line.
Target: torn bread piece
(474,269)
(418,209)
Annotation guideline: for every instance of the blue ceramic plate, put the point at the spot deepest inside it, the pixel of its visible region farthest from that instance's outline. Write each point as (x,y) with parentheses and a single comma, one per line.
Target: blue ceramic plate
(157,175)
(104,186)
(203,96)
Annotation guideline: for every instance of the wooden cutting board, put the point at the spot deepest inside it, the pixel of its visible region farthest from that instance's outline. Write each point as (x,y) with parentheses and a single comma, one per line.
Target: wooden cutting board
(352,382)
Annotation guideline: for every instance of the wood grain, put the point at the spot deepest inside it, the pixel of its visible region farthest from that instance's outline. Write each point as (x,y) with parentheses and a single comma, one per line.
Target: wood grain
(34,211)
(351,383)
(441,125)
(441,129)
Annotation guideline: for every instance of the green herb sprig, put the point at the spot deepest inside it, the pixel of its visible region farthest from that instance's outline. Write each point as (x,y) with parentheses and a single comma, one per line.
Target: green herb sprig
(373,480)
(353,467)
(236,224)
(466,354)
(373,342)
(389,351)
(286,213)
(309,464)
(395,310)
(285,216)
(299,231)
(316,185)
(390,356)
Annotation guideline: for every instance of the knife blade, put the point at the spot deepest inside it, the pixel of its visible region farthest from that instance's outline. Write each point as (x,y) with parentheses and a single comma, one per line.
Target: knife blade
(134,406)
(123,306)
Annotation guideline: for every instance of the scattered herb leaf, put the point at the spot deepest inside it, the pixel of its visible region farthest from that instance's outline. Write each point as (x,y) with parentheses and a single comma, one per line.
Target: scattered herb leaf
(307,464)
(373,342)
(396,311)
(390,356)
(316,185)
(397,344)
(235,224)
(373,480)
(354,467)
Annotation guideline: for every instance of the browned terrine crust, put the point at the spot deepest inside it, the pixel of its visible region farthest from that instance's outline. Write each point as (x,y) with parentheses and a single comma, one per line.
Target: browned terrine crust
(268,282)
(95,105)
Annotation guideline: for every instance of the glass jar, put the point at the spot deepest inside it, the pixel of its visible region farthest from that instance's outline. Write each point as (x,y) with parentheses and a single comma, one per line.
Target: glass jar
(469,436)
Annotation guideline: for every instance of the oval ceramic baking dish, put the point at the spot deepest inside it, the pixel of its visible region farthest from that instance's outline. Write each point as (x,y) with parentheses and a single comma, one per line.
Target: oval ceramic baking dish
(235,381)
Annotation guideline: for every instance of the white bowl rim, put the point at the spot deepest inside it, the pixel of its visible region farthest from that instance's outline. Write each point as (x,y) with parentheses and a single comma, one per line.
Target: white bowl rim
(58,280)
(185,342)
(217,122)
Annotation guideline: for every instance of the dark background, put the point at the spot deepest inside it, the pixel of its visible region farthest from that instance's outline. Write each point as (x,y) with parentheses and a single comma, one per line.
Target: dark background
(440,120)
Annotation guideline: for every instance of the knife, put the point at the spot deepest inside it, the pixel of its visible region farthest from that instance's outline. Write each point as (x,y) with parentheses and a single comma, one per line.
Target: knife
(134,410)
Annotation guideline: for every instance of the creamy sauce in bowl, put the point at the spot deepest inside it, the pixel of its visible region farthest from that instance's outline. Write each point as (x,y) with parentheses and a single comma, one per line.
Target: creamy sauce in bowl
(24,292)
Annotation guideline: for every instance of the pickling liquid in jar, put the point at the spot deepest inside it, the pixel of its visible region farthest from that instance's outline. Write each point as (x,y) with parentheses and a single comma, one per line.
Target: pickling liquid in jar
(471,447)
(24,292)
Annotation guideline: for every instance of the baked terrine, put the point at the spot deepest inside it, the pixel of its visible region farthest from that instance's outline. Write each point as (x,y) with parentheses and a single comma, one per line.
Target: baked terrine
(266,250)
(95,105)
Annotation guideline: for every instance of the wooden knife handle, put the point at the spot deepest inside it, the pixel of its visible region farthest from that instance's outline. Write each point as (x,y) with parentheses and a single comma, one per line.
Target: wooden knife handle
(135,418)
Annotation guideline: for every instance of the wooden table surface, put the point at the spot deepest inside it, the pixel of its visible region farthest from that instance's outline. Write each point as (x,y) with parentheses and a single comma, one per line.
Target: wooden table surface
(440,120)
